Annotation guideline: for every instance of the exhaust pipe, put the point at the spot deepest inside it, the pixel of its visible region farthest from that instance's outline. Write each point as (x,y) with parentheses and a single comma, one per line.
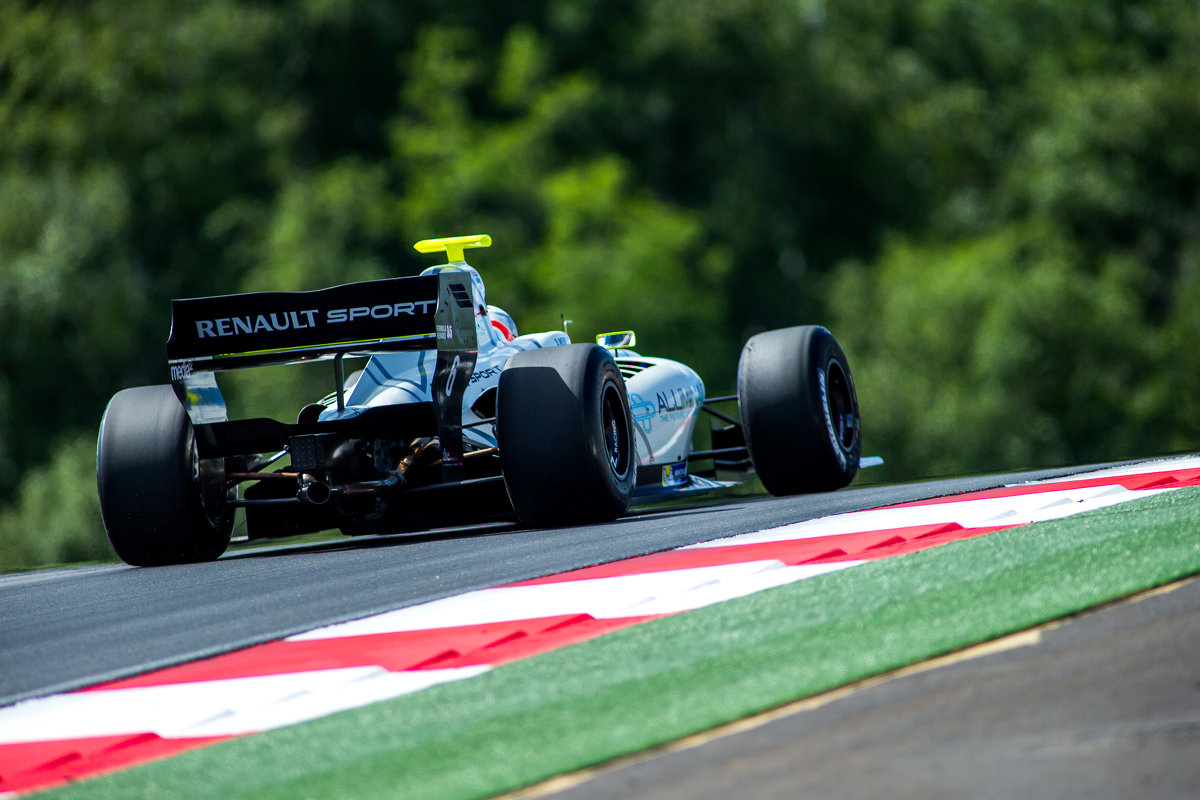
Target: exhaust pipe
(313,492)
(317,493)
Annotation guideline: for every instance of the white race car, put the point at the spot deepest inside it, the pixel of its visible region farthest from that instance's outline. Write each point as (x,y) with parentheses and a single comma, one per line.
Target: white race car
(455,419)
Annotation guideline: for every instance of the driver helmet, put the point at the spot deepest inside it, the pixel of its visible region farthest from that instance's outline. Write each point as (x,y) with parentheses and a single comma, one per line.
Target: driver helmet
(503,323)
(476,280)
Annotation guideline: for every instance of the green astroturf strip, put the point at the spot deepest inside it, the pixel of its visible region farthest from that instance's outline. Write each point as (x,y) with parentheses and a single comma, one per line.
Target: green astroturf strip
(657,682)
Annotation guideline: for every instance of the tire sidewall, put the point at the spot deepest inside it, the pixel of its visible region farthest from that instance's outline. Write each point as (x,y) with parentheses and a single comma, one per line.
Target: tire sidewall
(604,380)
(829,360)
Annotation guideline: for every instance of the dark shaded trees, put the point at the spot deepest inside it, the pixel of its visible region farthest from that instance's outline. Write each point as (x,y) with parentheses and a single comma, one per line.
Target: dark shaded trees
(995,206)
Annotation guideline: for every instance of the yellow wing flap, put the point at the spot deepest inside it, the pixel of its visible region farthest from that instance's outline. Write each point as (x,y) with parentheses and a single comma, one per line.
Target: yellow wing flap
(453,245)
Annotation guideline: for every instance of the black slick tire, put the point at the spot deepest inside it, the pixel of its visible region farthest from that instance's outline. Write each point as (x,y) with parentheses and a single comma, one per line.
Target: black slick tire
(799,410)
(565,435)
(148,476)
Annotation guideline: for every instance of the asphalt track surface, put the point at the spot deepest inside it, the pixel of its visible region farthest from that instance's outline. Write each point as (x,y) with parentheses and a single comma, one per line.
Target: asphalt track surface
(1105,706)
(66,629)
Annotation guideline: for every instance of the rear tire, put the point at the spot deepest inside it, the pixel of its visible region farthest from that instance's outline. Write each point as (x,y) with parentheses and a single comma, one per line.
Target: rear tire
(148,475)
(565,434)
(799,410)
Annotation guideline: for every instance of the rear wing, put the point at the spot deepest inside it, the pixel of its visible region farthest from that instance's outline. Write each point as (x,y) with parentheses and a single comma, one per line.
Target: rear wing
(212,334)
(261,328)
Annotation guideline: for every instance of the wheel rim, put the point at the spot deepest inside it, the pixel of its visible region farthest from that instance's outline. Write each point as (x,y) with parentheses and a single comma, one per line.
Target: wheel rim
(616,430)
(841,415)
(208,476)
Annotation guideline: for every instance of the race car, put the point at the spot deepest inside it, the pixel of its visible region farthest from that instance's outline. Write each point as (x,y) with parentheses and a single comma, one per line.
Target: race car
(456,418)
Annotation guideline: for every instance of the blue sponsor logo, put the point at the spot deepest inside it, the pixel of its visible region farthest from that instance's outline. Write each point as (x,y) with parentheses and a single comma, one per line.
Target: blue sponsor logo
(643,411)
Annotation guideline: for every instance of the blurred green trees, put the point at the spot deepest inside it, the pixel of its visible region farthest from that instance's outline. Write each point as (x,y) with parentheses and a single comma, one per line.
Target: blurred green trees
(995,206)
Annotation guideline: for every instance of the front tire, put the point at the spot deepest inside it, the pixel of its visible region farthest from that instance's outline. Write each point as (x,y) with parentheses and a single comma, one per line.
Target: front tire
(148,475)
(565,434)
(799,410)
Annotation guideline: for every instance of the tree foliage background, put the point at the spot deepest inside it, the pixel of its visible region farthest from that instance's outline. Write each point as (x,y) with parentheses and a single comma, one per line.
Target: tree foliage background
(994,205)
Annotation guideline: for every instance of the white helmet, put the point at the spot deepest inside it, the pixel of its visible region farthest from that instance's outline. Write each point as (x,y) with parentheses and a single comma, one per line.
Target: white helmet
(503,323)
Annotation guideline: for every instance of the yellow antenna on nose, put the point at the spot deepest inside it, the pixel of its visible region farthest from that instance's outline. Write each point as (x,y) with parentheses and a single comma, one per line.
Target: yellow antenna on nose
(453,246)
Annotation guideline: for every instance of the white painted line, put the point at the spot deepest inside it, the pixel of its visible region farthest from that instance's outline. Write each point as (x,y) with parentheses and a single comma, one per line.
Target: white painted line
(1173,464)
(213,708)
(981,513)
(603,598)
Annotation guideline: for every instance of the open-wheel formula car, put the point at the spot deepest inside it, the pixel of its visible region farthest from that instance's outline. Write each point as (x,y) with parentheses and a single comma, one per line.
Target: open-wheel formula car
(455,419)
